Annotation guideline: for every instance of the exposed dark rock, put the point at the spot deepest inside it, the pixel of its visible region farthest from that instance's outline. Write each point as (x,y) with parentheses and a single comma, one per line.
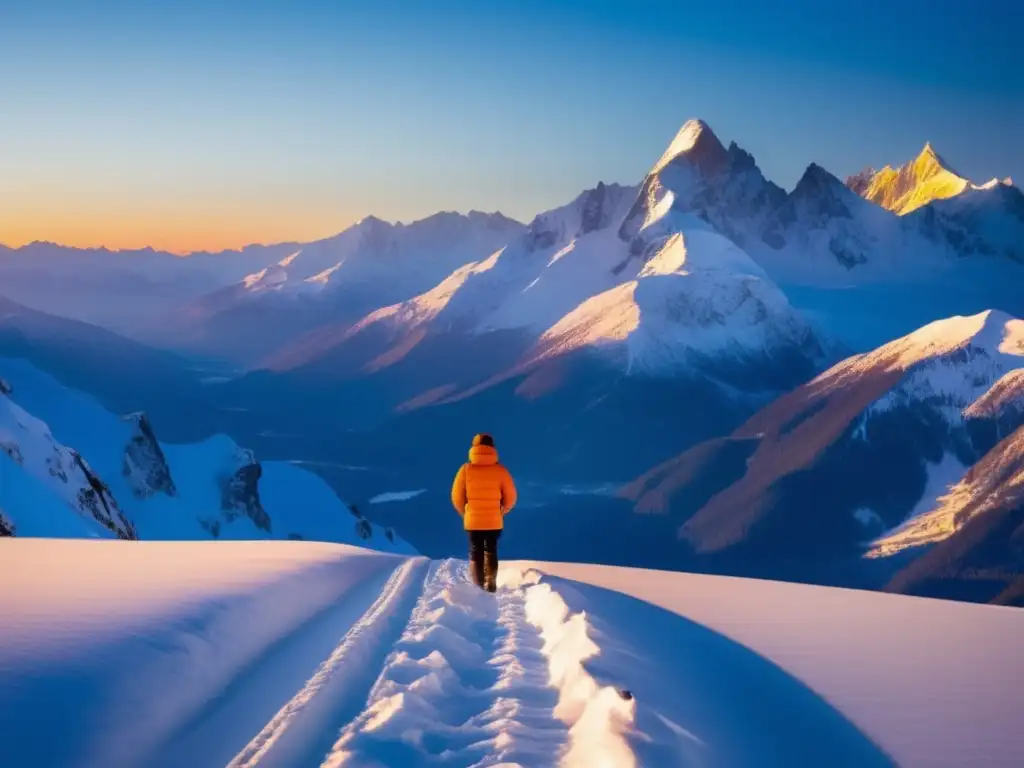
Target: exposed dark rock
(240,493)
(144,463)
(364,529)
(5,387)
(7,528)
(594,216)
(13,451)
(97,500)
(541,234)
(860,182)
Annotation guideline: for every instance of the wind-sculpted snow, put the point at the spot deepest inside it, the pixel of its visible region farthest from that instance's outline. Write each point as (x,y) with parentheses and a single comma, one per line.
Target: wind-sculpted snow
(282,654)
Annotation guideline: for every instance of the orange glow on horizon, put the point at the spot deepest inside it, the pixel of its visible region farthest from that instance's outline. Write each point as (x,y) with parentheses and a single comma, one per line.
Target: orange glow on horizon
(181,233)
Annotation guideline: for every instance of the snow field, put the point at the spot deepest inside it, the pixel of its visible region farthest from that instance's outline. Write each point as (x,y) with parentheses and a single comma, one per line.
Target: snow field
(298,654)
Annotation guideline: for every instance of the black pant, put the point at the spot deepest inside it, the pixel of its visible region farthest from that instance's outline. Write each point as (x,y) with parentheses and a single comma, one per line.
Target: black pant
(481,542)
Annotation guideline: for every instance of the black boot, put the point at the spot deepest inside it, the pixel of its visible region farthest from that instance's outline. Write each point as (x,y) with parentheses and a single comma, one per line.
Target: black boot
(477,568)
(491,571)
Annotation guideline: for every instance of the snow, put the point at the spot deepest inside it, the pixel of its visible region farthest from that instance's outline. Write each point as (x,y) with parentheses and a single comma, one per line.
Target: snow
(922,526)
(992,346)
(998,480)
(397,258)
(919,182)
(298,502)
(292,653)
(571,286)
(937,685)
(698,292)
(384,498)
(44,485)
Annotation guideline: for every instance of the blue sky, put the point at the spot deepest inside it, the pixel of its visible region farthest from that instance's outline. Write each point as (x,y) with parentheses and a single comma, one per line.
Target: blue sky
(205,124)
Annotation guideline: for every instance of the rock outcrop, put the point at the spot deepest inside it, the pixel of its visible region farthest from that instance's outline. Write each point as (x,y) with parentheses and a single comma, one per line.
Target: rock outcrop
(240,493)
(145,465)
(6,526)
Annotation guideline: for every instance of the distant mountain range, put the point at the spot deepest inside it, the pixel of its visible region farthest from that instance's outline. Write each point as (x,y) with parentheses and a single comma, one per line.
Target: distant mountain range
(704,313)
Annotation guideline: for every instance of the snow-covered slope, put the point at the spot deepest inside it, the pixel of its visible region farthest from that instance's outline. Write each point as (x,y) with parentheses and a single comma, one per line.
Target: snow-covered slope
(371,264)
(119,475)
(262,654)
(973,534)
(46,488)
(874,440)
(645,276)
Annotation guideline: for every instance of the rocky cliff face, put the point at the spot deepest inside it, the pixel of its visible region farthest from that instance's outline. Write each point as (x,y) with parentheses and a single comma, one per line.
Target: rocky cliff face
(145,466)
(96,499)
(240,493)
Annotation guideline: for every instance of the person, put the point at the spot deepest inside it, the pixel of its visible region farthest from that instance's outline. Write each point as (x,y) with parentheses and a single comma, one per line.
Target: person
(483,493)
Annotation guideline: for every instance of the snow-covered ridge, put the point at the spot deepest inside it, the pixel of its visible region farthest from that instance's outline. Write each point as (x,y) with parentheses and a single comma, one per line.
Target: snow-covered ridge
(371,247)
(120,480)
(643,275)
(954,363)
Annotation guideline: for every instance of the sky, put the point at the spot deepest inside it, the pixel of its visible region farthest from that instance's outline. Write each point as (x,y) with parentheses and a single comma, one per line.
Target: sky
(195,125)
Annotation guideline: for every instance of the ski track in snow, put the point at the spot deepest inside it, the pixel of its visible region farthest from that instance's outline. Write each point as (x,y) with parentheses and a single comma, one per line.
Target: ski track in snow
(438,672)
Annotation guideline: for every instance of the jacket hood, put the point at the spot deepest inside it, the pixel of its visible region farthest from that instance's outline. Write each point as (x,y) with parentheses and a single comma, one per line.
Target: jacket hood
(483,454)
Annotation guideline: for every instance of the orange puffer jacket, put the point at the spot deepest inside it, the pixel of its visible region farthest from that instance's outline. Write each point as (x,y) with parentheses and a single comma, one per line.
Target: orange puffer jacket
(483,491)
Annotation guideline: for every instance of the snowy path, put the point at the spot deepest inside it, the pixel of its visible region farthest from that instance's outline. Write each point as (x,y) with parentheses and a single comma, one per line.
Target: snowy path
(463,683)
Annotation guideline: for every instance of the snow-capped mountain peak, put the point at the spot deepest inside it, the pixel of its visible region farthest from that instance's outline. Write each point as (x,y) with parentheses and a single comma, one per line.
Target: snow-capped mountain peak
(698,145)
(926,178)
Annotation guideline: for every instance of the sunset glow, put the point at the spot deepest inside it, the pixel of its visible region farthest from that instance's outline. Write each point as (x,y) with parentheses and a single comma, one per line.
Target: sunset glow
(203,126)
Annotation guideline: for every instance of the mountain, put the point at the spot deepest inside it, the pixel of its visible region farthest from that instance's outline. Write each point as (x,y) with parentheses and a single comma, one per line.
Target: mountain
(122,373)
(47,488)
(636,275)
(119,479)
(119,290)
(947,208)
(803,487)
(564,342)
(974,535)
(369,265)
(901,190)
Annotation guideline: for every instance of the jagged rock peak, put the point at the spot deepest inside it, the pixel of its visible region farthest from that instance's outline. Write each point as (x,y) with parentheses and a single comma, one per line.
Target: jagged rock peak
(240,493)
(144,463)
(816,179)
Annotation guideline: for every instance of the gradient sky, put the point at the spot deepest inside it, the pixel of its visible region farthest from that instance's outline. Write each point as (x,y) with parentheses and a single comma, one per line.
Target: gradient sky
(187,125)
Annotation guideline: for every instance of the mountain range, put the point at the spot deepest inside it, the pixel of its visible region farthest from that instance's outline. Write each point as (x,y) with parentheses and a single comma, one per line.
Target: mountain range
(848,347)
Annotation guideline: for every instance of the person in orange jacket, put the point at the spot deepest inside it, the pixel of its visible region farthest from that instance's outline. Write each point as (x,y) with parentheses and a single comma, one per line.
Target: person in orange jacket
(483,493)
